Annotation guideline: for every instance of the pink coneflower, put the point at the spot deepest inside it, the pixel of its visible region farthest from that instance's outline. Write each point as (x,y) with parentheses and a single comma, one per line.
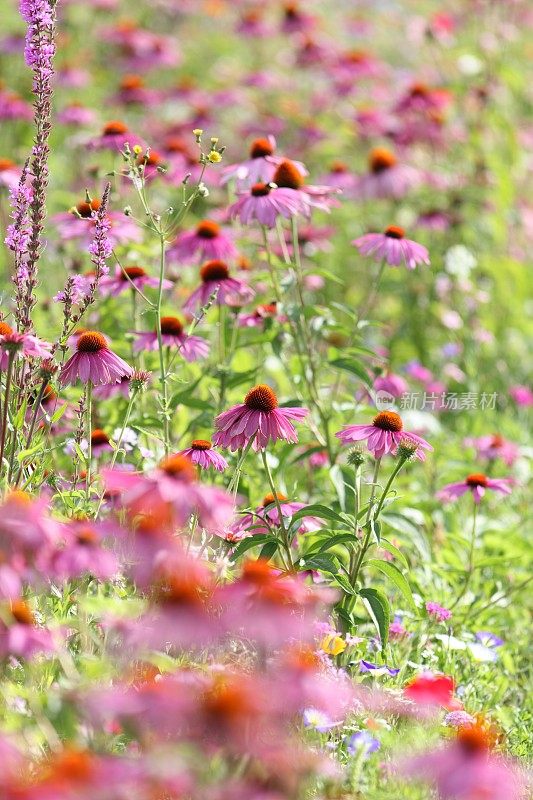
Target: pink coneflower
(386,177)
(202,453)
(383,435)
(493,447)
(295,20)
(108,390)
(23,344)
(437,612)
(287,176)
(392,247)
(124,277)
(21,637)
(206,242)
(93,362)
(260,418)
(191,348)
(339,177)
(264,203)
(114,136)
(422,98)
(133,91)
(259,167)
(9,173)
(466,769)
(476,483)
(252,24)
(82,550)
(100,442)
(216,279)
(257,318)
(171,493)
(267,515)
(77,115)
(79,222)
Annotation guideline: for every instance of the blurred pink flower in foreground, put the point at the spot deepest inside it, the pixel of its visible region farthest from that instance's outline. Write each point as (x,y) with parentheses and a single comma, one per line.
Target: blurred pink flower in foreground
(466,769)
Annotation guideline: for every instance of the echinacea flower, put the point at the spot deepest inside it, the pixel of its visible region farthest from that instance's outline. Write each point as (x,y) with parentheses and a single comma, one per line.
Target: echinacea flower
(172,492)
(386,177)
(114,136)
(494,446)
(477,483)
(206,242)
(265,203)
(23,344)
(258,168)
(465,768)
(203,455)
(288,176)
(93,362)
(130,277)
(78,224)
(383,435)
(216,280)
(9,173)
(258,418)
(82,551)
(21,636)
(191,348)
(267,514)
(392,247)
(100,442)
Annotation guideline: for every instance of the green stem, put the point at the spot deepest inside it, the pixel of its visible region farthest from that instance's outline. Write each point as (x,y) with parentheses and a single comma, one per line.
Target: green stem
(9,374)
(37,406)
(284,533)
(234,483)
(470,569)
(162,369)
(89,412)
(382,499)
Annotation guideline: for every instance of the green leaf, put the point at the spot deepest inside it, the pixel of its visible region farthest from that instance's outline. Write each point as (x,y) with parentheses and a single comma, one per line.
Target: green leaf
(400,581)
(333,541)
(352,366)
(378,607)
(318,511)
(269,549)
(342,581)
(321,562)
(58,413)
(393,550)
(248,543)
(30,452)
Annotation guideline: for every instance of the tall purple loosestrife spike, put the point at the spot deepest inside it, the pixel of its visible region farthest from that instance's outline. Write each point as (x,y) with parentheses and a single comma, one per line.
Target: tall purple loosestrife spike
(18,234)
(100,250)
(39,53)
